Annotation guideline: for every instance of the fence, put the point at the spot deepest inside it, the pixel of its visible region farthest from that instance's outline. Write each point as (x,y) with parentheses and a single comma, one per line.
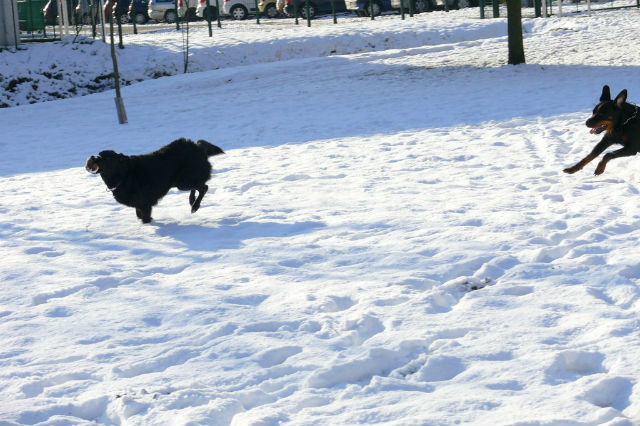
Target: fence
(39,19)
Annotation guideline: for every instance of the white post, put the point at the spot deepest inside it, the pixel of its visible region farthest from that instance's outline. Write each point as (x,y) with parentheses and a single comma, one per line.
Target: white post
(589,7)
(544,8)
(560,8)
(65,14)
(9,26)
(101,5)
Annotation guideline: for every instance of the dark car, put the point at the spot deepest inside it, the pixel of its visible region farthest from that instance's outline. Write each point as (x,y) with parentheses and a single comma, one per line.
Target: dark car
(50,11)
(138,11)
(316,7)
(120,7)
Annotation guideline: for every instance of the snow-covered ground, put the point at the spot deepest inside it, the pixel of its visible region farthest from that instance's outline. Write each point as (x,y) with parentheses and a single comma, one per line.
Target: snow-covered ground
(389,238)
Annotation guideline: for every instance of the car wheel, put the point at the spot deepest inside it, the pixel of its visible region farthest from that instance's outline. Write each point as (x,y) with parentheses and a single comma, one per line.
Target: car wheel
(210,13)
(377,10)
(312,11)
(124,18)
(271,11)
(238,12)
(140,18)
(420,6)
(170,16)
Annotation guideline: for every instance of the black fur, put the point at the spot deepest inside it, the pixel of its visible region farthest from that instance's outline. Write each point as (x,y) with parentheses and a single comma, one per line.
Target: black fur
(621,121)
(140,181)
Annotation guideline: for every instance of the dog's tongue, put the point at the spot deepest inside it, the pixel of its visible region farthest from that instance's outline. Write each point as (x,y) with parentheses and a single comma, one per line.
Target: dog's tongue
(592,131)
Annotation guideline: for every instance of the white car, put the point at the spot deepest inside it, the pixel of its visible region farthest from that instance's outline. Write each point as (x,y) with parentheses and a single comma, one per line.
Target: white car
(238,9)
(207,12)
(187,8)
(427,5)
(162,10)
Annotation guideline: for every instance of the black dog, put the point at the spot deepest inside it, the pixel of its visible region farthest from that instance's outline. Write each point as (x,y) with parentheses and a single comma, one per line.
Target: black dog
(140,181)
(622,124)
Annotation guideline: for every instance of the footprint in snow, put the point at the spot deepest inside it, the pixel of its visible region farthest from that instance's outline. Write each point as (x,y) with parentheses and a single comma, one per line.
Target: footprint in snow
(570,365)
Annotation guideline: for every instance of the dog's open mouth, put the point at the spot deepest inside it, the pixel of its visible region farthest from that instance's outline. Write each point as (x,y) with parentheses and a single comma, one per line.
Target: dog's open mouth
(92,166)
(598,129)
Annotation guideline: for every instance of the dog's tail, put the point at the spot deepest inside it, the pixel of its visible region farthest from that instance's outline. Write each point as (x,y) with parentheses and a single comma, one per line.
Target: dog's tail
(209,148)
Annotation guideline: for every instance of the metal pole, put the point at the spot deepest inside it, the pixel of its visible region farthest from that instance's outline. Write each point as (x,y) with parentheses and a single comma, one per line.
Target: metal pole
(402,8)
(60,17)
(132,6)
(208,13)
(218,14)
(446,6)
(175,8)
(93,19)
(544,9)
(496,9)
(295,9)
(306,7)
(371,9)
(116,11)
(481,4)
(333,11)
(257,12)
(411,8)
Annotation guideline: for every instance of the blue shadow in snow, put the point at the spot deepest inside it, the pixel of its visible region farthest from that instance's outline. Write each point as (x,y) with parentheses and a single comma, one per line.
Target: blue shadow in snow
(231,236)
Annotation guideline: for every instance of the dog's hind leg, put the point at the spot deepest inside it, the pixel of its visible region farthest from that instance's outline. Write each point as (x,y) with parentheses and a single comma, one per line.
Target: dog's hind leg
(192,197)
(597,150)
(623,152)
(196,204)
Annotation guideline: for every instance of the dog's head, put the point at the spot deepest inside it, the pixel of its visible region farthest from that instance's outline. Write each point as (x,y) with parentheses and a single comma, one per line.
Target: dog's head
(608,113)
(106,161)
(110,165)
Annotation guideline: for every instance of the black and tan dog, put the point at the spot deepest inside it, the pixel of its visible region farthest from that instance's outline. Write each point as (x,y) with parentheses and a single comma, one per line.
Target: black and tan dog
(621,122)
(140,181)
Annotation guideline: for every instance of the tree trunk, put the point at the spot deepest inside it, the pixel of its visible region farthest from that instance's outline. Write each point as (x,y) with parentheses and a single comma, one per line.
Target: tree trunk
(514,28)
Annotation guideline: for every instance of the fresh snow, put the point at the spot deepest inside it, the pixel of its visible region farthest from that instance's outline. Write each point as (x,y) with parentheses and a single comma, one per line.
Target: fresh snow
(389,238)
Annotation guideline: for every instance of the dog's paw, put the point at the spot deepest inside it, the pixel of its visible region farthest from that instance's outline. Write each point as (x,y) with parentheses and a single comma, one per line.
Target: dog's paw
(571,170)
(599,171)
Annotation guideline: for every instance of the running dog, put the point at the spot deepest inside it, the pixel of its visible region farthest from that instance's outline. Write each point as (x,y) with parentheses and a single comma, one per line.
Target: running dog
(140,181)
(621,123)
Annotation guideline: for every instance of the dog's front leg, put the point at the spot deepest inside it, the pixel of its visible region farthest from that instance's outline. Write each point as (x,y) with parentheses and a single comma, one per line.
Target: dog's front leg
(623,152)
(144,213)
(597,150)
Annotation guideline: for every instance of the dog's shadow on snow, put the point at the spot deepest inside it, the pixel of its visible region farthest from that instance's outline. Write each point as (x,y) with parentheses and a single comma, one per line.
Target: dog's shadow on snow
(231,234)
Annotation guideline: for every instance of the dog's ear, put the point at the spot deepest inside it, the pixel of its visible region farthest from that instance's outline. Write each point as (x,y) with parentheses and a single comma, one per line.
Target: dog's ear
(621,98)
(606,94)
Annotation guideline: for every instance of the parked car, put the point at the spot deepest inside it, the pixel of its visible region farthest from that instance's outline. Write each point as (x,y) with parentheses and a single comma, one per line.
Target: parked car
(428,5)
(363,7)
(238,9)
(162,10)
(187,9)
(316,7)
(207,12)
(50,11)
(85,10)
(120,7)
(269,8)
(138,11)
(419,6)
